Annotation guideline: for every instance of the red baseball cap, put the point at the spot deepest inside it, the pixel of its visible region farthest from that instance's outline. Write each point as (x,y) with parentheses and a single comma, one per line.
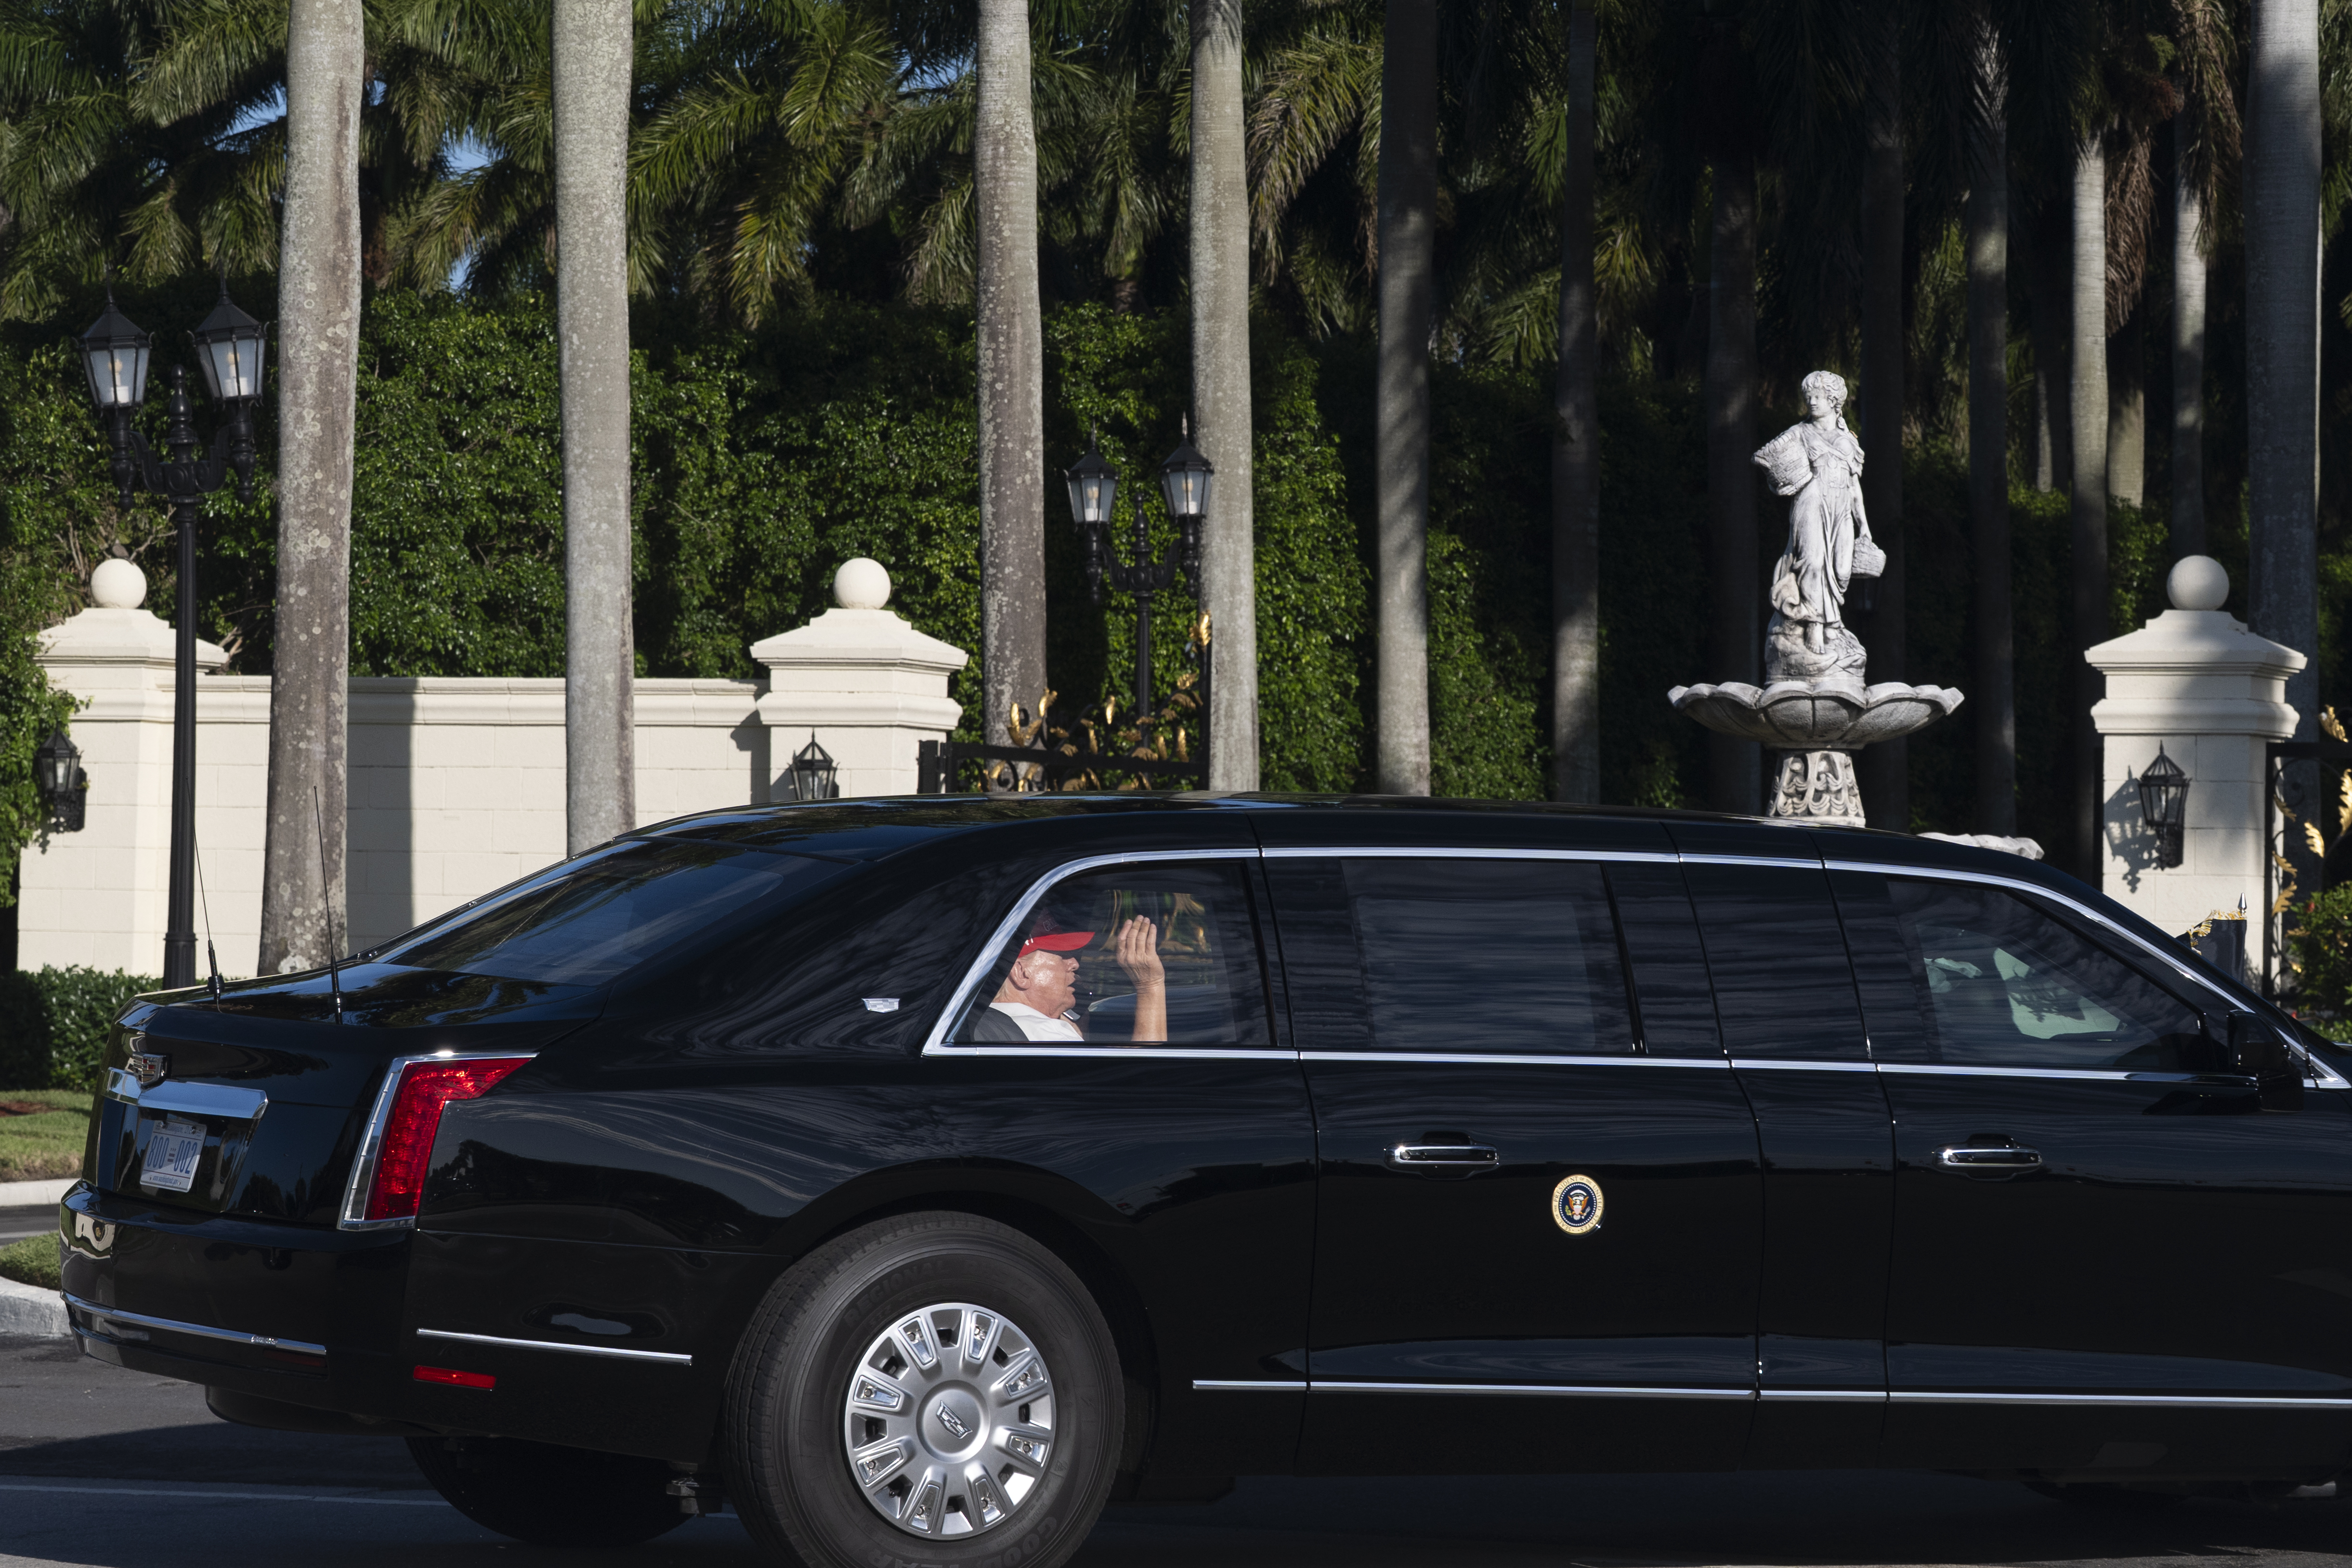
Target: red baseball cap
(1054,941)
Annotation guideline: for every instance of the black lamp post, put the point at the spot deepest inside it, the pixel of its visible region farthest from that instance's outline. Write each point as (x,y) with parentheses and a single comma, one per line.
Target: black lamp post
(811,773)
(1184,486)
(2163,807)
(229,346)
(64,787)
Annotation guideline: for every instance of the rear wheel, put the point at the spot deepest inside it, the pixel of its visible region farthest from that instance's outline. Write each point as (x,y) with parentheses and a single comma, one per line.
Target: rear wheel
(551,1495)
(933,1389)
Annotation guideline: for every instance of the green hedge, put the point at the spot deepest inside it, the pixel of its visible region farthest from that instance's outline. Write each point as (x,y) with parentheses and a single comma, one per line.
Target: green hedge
(55,1025)
(763,459)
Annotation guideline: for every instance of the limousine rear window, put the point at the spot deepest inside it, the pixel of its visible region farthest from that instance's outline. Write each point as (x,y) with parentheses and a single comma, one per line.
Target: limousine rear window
(593,918)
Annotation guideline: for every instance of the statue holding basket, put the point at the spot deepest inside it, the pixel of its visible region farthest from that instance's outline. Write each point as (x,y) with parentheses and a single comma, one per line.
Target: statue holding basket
(1819,463)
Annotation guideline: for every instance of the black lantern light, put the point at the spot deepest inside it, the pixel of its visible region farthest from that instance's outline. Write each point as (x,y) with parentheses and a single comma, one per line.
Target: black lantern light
(228,352)
(2163,807)
(1094,485)
(115,353)
(811,773)
(64,787)
(1184,478)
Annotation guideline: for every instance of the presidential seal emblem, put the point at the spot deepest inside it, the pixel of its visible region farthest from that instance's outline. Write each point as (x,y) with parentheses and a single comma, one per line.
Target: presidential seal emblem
(1576,1205)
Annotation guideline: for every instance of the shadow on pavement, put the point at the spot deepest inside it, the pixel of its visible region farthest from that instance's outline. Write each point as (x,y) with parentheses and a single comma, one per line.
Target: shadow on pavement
(214,1452)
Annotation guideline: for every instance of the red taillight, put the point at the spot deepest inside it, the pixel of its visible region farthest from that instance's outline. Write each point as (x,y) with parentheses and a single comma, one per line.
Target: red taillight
(414,1117)
(454,1378)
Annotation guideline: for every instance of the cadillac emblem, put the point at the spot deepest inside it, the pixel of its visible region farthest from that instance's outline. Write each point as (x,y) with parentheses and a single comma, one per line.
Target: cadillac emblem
(148,1067)
(1576,1205)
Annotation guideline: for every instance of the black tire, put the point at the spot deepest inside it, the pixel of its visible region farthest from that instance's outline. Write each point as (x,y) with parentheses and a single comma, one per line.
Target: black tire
(788,1470)
(2107,1497)
(551,1495)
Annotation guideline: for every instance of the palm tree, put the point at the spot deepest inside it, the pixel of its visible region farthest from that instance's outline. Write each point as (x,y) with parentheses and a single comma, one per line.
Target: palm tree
(1011,373)
(319,309)
(2282,224)
(1408,246)
(1994,696)
(1576,447)
(2205,154)
(1885,768)
(2086,397)
(1220,385)
(592,54)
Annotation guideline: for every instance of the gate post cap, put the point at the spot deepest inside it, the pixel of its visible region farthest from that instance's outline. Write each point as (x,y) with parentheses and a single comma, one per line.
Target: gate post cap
(2197,583)
(861,584)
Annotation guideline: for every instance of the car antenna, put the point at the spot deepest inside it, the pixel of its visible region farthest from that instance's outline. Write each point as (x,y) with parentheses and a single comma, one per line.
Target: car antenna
(212,959)
(327,907)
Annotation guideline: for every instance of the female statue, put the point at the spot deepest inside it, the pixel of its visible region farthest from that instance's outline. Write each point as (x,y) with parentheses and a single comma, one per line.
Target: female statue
(1819,463)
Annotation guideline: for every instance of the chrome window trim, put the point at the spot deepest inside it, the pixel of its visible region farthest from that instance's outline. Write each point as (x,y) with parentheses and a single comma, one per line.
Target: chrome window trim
(1762,1064)
(1784,862)
(2322,1075)
(1940,1069)
(1248,1385)
(1530,1390)
(1439,852)
(2184,1401)
(351,1216)
(936,1044)
(190,1099)
(201,1331)
(1826,1395)
(668,1358)
(1475,1058)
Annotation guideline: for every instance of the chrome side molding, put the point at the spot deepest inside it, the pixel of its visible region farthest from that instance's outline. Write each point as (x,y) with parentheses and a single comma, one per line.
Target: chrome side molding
(201,1331)
(671,1358)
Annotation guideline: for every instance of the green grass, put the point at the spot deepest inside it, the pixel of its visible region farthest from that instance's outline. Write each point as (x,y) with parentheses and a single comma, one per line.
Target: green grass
(43,1144)
(32,1261)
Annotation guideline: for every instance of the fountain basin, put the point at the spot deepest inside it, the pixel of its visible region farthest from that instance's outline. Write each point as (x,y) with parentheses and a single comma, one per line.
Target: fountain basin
(1825,714)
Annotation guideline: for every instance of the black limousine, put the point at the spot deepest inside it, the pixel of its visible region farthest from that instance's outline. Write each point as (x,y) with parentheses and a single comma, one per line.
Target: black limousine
(918,1175)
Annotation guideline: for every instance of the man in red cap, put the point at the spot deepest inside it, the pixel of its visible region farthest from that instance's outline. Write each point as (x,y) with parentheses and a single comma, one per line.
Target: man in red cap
(1039,997)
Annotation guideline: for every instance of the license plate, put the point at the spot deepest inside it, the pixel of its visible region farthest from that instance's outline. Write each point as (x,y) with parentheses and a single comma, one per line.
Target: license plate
(173,1149)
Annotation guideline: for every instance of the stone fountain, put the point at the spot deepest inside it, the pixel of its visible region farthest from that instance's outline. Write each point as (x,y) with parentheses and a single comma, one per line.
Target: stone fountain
(1813,707)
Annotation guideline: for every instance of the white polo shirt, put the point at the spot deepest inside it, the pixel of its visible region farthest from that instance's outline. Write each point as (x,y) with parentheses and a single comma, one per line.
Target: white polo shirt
(1037,1025)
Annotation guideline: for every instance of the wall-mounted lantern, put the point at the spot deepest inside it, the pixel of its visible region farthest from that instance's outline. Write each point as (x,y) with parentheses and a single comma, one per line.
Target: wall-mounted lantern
(2163,807)
(811,776)
(64,787)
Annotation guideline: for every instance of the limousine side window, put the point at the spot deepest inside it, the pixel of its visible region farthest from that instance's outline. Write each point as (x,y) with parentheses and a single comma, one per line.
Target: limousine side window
(2010,985)
(1087,964)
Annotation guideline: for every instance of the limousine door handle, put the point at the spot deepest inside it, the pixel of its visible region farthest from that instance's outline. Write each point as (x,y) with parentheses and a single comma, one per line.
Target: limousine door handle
(2003,1160)
(1444,1159)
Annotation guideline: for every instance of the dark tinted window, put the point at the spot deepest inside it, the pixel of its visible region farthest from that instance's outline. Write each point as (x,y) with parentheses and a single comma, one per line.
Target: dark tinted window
(1143,954)
(1488,955)
(1784,988)
(1886,968)
(589,919)
(1674,1004)
(2008,984)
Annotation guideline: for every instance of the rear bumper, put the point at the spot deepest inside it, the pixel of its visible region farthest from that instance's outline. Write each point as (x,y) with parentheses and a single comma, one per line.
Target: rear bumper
(301,1314)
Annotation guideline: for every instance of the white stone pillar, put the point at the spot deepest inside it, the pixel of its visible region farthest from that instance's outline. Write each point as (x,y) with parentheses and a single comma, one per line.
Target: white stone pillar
(2211,694)
(871,688)
(95,897)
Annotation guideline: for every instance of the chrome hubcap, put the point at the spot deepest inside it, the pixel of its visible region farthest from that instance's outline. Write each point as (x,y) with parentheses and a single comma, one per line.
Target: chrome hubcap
(949,1425)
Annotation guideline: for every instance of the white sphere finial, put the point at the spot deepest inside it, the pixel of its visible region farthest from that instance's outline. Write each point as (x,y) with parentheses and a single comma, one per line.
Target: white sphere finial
(2197,583)
(118,585)
(861,585)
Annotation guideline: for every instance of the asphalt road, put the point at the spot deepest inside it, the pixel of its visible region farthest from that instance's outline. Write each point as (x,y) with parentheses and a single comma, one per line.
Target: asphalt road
(108,1468)
(15,1223)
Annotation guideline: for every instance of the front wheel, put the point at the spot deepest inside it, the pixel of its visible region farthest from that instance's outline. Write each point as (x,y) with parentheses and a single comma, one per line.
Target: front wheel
(934,1389)
(551,1495)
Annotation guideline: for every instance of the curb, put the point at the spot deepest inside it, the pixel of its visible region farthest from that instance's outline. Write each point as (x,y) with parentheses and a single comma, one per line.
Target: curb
(31,1194)
(29,1311)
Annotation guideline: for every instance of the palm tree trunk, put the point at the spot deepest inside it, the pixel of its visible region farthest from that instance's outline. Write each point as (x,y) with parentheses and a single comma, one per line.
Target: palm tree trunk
(1885,770)
(1734,767)
(2087,400)
(1576,454)
(1011,375)
(2054,271)
(1408,245)
(2128,409)
(1994,698)
(1221,387)
(2045,464)
(2282,217)
(593,54)
(302,886)
(2187,353)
